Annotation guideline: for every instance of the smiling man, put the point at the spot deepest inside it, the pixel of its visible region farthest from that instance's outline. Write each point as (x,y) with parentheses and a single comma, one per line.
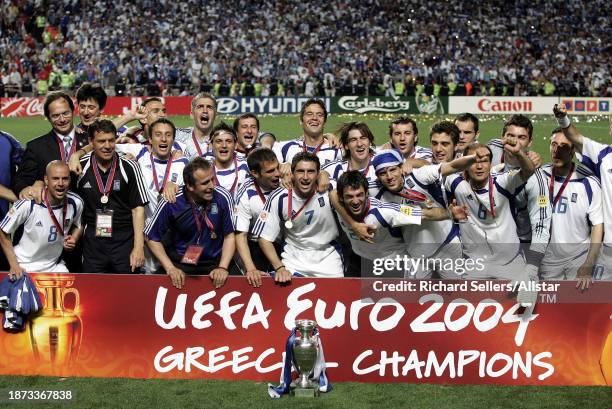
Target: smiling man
(305,219)
(49,227)
(59,144)
(91,100)
(115,197)
(195,235)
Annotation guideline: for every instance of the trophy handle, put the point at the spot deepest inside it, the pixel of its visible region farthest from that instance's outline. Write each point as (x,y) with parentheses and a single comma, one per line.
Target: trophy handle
(74,291)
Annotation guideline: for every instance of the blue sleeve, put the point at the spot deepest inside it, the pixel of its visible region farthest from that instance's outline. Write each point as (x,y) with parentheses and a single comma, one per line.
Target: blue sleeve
(159,223)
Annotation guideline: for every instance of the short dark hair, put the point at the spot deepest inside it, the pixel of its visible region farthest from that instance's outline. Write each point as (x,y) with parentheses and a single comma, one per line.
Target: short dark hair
(258,156)
(467,117)
(446,127)
(195,164)
(352,178)
(245,116)
(54,96)
(556,130)
(165,121)
(147,101)
(521,121)
(313,101)
(101,125)
(222,127)
(475,145)
(306,157)
(91,91)
(344,130)
(403,120)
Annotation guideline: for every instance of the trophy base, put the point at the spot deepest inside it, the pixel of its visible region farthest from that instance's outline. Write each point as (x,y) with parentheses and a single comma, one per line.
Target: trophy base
(302,392)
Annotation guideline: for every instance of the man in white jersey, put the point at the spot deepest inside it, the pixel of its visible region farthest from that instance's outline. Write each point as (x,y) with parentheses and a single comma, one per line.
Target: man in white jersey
(228,170)
(250,200)
(519,128)
(404,136)
(246,127)
(577,228)
(196,138)
(437,238)
(598,158)
(490,234)
(312,118)
(305,218)
(358,142)
(388,218)
(49,227)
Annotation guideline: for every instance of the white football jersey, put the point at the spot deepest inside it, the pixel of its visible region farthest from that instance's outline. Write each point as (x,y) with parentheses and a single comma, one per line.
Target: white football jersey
(577,209)
(420,152)
(597,157)
(485,235)
(143,157)
(336,168)
(249,205)
(426,180)
(286,151)
(41,245)
(192,147)
(313,228)
(389,218)
(231,178)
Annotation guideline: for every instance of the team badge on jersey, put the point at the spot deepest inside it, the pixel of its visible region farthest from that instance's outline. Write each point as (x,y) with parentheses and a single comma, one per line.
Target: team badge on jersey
(410,183)
(116,185)
(174,177)
(321,202)
(574,197)
(542,201)
(407,210)
(38,224)
(263,215)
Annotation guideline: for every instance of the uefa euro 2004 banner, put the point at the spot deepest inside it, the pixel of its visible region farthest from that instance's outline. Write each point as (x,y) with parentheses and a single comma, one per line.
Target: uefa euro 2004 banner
(440,331)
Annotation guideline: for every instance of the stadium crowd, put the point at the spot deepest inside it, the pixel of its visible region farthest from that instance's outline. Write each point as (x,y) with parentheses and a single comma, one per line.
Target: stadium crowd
(101,197)
(265,47)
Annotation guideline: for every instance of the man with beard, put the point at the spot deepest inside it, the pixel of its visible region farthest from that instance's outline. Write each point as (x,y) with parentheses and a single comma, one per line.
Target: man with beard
(59,144)
(195,235)
(264,178)
(306,220)
(577,219)
(228,170)
(49,227)
(197,138)
(115,197)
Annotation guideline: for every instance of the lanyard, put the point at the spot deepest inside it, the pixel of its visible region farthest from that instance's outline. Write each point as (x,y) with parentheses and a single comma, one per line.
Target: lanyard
(165,180)
(317,149)
(235,176)
(104,190)
(197,217)
(196,143)
(551,186)
(60,228)
(367,168)
(491,197)
(290,204)
(63,152)
(411,195)
(259,192)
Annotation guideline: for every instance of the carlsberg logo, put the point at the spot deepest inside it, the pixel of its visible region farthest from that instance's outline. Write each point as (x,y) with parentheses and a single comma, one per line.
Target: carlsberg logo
(365,104)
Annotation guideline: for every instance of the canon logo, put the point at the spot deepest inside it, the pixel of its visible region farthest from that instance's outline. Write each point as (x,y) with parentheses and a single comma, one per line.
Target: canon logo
(508,105)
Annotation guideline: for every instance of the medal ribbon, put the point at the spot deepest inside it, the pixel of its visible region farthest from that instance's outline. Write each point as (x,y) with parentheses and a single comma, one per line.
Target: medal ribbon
(104,190)
(165,180)
(259,192)
(196,143)
(551,186)
(235,177)
(367,168)
(59,228)
(63,152)
(290,203)
(198,220)
(412,195)
(317,149)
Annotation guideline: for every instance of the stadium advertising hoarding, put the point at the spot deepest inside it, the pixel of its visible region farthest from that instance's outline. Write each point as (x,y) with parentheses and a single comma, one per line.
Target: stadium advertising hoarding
(528,105)
(422,104)
(148,329)
(18,107)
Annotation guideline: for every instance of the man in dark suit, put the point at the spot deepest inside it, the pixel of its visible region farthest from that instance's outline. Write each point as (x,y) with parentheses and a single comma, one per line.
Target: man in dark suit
(58,144)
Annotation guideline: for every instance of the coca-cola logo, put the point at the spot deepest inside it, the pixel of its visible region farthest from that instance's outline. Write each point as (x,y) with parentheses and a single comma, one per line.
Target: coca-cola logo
(16,107)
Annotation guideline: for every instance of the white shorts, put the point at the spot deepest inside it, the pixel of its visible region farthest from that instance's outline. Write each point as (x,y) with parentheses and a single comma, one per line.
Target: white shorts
(513,270)
(565,271)
(603,268)
(326,262)
(58,267)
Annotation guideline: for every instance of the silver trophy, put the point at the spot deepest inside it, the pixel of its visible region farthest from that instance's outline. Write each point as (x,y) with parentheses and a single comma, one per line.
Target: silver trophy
(305,353)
